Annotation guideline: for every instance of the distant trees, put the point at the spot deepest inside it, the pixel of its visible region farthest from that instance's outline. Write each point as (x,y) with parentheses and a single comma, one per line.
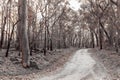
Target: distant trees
(3,21)
(102,19)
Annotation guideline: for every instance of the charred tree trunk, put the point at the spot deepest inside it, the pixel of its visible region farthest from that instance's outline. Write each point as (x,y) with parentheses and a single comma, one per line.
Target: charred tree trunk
(2,32)
(10,38)
(100,38)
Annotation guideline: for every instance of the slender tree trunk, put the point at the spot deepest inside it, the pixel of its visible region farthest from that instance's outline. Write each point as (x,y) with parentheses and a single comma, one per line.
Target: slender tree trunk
(100,38)
(45,40)
(2,32)
(92,39)
(10,38)
(45,33)
(97,39)
(107,35)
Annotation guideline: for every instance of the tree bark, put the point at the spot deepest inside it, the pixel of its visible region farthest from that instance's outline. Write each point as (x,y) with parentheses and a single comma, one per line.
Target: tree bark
(100,38)
(22,32)
(10,38)
(2,32)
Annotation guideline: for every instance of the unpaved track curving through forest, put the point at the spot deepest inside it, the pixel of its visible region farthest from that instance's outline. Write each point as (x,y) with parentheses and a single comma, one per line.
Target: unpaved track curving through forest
(80,67)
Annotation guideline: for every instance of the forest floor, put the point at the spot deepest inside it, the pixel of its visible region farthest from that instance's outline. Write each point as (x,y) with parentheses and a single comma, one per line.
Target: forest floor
(84,64)
(11,67)
(110,60)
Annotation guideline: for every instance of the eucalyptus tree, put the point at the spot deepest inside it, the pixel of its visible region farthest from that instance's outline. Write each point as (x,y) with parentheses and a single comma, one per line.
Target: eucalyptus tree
(22,32)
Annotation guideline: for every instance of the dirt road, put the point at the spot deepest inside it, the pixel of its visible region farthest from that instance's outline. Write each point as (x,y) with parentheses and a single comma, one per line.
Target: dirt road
(80,67)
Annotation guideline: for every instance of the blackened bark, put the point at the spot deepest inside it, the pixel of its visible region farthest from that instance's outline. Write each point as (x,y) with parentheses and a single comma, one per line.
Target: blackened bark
(10,38)
(2,32)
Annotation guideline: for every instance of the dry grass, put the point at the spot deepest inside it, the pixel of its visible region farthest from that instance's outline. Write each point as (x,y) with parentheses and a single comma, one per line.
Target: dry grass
(11,68)
(110,59)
